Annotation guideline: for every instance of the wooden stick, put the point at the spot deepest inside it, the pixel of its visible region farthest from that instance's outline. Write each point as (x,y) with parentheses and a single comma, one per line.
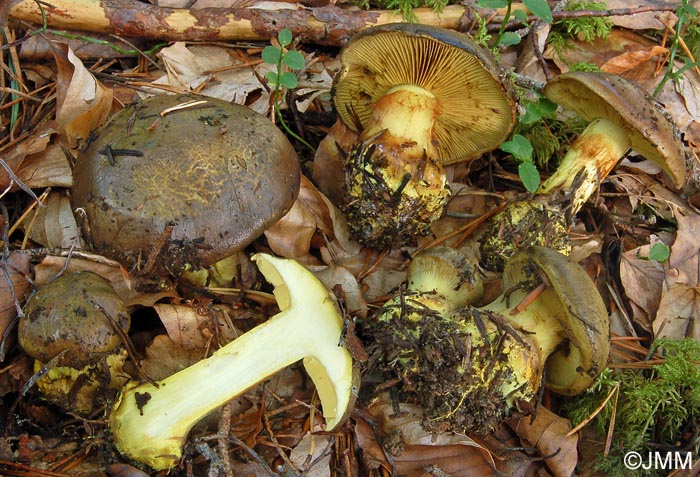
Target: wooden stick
(328,25)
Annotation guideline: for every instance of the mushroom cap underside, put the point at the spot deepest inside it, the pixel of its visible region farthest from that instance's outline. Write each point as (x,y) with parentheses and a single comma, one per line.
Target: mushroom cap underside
(476,106)
(210,178)
(652,133)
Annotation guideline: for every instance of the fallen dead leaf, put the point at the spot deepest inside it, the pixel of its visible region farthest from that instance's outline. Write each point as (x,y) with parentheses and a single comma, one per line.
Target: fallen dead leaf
(83,103)
(627,61)
(12,292)
(685,253)
(54,225)
(548,434)
(188,328)
(642,280)
(678,311)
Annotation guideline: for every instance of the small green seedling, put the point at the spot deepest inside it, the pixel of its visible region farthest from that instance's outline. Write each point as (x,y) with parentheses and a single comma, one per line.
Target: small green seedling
(539,8)
(659,252)
(281,79)
(279,56)
(521,149)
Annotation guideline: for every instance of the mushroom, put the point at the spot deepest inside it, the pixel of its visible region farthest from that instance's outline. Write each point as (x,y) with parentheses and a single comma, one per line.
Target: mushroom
(471,367)
(420,97)
(178,181)
(150,422)
(74,325)
(621,117)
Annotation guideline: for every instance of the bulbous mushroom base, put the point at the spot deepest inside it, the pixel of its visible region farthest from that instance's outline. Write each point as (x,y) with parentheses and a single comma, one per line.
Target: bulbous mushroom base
(469,371)
(390,200)
(520,225)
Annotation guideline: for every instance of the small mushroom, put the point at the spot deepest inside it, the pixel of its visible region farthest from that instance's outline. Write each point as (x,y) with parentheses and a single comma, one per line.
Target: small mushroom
(76,322)
(621,117)
(176,181)
(471,367)
(420,97)
(150,422)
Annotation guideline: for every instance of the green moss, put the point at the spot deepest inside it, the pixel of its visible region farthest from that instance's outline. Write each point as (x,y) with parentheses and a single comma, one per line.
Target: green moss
(585,28)
(406,7)
(654,409)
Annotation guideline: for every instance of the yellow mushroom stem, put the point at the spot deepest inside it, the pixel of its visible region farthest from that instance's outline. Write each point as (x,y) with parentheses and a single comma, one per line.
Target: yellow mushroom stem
(593,155)
(407,113)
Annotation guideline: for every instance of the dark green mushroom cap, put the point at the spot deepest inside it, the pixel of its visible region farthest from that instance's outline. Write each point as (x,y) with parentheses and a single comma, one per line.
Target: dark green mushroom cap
(593,95)
(577,305)
(78,312)
(191,186)
(476,106)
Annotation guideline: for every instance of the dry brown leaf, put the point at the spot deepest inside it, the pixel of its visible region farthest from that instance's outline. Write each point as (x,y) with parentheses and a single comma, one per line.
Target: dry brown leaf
(644,20)
(642,280)
(189,329)
(164,358)
(83,103)
(328,171)
(627,61)
(685,254)
(679,309)
(548,434)
(49,168)
(293,235)
(332,276)
(312,455)
(213,72)
(110,270)
(17,266)
(55,225)
(35,143)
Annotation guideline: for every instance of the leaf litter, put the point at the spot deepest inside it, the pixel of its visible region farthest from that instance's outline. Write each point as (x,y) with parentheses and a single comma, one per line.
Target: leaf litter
(662,297)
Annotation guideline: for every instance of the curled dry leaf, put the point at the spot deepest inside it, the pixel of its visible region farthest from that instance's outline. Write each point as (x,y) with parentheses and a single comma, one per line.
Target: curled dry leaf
(307,225)
(399,441)
(312,455)
(54,225)
(642,280)
(49,168)
(118,277)
(685,256)
(548,434)
(188,328)
(678,311)
(83,103)
(211,71)
(34,144)
(630,60)
(17,266)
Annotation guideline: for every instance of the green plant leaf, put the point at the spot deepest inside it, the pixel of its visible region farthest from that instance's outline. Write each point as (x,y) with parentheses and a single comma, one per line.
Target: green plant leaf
(288,80)
(659,252)
(271,55)
(540,9)
(273,78)
(294,60)
(519,147)
(521,15)
(509,38)
(536,111)
(492,3)
(284,37)
(529,175)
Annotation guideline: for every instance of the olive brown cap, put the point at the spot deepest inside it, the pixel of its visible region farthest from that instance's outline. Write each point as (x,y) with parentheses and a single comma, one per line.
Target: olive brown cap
(593,95)
(179,183)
